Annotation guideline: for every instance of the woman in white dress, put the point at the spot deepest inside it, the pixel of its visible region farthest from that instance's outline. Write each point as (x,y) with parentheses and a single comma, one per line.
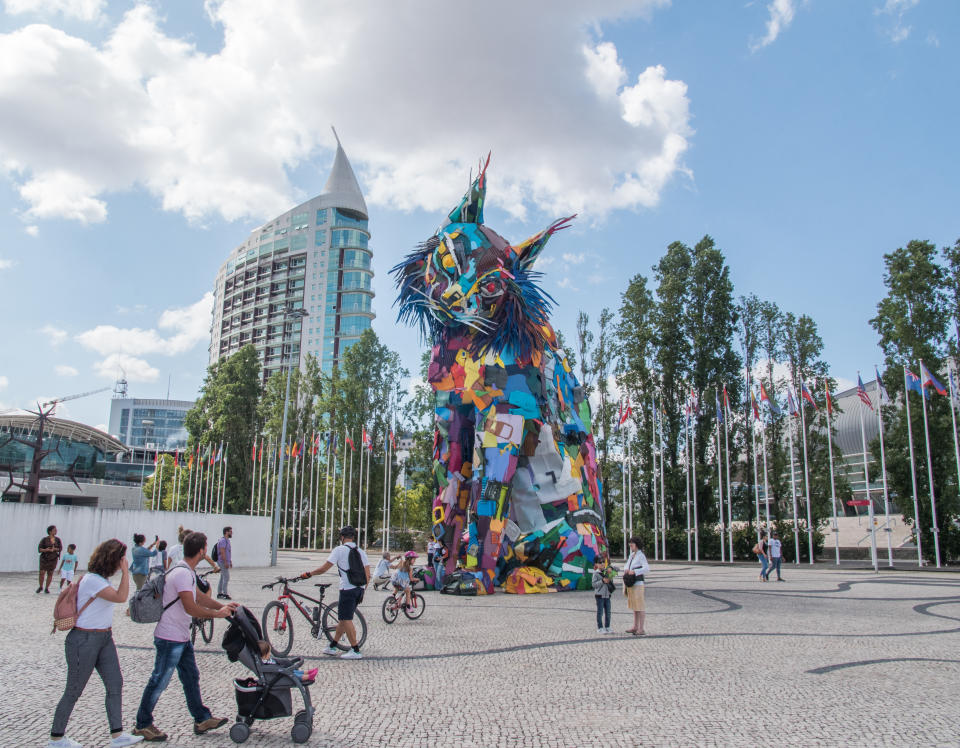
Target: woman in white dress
(637,566)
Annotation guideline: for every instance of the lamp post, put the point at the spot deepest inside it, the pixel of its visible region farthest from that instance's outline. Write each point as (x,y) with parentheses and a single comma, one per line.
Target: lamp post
(289,314)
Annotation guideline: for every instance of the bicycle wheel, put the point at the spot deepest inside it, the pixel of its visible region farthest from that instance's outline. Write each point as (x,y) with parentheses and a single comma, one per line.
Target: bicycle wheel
(278,628)
(206,629)
(389,609)
(330,622)
(414,611)
(194,625)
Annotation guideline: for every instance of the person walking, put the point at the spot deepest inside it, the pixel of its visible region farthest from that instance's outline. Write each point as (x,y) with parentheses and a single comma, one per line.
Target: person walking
(350,594)
(171,639)
(602,581)
(89,645)
(226,563)
(68,565)
(158,564)
(637,567)
(431,547)
(49,549)
(761,550)
(776,556)
(141,559)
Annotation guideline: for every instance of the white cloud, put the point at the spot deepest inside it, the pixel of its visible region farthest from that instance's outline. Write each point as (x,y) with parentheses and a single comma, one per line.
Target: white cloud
(5,264)
(4,382)
(574,258)
(65,371)
(133,368)
(85,10)
(32,230)
(146,110)
(190,325)
(896,9)
(55,336)
(781,16)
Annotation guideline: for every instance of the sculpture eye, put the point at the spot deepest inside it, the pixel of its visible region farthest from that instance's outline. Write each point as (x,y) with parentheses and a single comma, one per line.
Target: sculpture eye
(491,287)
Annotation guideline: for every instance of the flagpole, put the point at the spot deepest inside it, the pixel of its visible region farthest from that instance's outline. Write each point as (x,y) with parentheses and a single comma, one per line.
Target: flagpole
(883,471)
(350,482)
(766,483)
(623,501)
(723,549)
(866,485)
(360,488)
(629,497)
(653,471)
(726,444)
(696,520)
(686,471)
(390,482)
(793,496)
(326,487)
(284,516)
(366,501)
(933,499)
(211,476)
(663,494)
(383,508)
(153,493)
(253,474)
(160,487)
(223,479)
(833,490)
(806,477)
(913,468)
(756,475)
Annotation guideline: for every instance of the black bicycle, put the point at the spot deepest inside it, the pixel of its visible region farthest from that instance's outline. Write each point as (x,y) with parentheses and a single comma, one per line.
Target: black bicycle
(278,624)
(203,625)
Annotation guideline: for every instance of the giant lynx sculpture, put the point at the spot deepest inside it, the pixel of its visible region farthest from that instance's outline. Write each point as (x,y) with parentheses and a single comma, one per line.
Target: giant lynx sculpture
(514,453)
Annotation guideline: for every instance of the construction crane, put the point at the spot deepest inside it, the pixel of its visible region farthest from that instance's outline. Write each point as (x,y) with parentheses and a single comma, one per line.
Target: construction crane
(64,399)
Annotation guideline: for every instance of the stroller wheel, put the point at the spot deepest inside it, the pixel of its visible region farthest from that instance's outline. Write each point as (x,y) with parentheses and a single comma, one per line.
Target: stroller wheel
(302,716)
(300,732)
(239,732)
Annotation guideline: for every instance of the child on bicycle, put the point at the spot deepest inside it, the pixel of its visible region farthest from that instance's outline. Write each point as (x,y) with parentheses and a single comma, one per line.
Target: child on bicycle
(401,577)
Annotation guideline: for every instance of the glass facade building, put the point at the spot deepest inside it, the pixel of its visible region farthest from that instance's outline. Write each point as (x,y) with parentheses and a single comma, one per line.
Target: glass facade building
(315,257)
(142,423)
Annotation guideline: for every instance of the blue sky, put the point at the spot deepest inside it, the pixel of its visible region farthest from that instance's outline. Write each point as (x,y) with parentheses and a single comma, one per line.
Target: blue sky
(141,144)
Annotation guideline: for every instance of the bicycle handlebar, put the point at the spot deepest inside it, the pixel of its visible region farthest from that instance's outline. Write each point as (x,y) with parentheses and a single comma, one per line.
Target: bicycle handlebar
(281,580)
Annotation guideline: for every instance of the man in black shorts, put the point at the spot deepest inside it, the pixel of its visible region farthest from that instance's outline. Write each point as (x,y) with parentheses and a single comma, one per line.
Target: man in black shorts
(350,594)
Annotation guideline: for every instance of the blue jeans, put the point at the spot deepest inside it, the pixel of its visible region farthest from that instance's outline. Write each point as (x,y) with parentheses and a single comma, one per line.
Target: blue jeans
(775,566)
(172,655)
(763,565)
(603,609)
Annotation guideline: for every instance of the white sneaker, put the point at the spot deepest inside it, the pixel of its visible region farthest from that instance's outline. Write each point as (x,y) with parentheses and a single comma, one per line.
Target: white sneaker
(124,739)
(608,630)
(63,742)
(601,631)
(331,650)
(351,655)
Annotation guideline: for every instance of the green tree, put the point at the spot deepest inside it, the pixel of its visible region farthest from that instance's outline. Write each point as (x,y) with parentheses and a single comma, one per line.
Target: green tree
(912,322)
(226,413)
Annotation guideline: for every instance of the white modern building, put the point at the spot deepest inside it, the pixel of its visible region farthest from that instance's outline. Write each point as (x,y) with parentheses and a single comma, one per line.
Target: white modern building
(315,257)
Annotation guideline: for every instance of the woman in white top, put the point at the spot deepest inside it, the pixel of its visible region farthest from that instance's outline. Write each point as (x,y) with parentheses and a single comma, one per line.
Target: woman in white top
(636,564)
(90,645)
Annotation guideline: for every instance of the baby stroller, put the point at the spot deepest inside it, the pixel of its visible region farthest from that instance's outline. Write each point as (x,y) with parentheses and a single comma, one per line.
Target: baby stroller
(268,696)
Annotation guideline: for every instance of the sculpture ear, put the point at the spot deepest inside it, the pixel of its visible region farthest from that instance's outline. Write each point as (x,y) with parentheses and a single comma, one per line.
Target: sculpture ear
(470,209)
(526,252)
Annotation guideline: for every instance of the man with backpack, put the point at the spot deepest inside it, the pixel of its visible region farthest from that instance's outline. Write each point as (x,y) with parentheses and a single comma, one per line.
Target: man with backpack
(354,569)
(181,602)
(221,554)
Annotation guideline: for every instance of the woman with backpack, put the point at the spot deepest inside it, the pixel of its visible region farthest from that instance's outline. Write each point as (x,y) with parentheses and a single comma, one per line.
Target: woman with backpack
(89,644)
(762,555)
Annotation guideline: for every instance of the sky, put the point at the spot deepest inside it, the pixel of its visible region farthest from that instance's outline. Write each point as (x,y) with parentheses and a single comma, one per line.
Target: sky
(141,142)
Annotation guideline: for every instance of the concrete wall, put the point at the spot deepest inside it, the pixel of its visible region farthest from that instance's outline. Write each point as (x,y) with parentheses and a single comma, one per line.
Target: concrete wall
(25,524)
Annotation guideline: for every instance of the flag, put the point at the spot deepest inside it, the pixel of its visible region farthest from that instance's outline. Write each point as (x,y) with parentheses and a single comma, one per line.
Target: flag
(765,398)
(792,403)
(190,463)
(953,383)
(367,441)
(350,444)
(719,412)
(756,409)
(913,383)
(881,390)
(253,451)
(176,457)
(726,400)
(219,453)
(805,394)
(316,442)
(931,381)
(826,388)
(295,452)
(624,414)
(260,454)
(393,440)
(156,456)
(862,393)
(694,402)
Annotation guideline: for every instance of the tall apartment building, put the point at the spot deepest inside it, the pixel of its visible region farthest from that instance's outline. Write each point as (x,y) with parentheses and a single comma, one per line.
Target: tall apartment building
(154,423)
(314,257)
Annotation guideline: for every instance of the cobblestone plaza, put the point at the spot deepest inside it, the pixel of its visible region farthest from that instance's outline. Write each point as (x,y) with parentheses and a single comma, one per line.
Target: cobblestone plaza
(825,658)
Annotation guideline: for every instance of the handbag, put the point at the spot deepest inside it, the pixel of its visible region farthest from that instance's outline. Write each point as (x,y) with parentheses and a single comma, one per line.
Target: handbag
(610,586)
(629,579)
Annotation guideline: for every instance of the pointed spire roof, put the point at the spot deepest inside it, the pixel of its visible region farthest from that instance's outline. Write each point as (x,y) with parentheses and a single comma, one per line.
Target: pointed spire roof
(342,186)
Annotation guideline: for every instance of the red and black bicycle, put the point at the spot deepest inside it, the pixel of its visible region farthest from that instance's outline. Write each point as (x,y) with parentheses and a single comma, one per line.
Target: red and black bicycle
(322,617)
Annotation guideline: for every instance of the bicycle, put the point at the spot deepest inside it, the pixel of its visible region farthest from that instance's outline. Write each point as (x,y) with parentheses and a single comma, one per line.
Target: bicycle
(203,625)
(278,624)
(394,603)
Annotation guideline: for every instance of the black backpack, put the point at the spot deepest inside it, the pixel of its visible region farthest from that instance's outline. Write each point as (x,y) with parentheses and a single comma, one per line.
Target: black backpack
(356,574)
(216,552)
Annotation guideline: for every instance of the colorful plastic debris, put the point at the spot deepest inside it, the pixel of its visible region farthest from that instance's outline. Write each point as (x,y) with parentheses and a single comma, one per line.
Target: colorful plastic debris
(514,454)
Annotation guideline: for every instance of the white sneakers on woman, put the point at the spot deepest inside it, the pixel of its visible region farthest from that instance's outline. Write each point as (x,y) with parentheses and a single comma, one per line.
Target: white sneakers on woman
(124,739)
(63,742)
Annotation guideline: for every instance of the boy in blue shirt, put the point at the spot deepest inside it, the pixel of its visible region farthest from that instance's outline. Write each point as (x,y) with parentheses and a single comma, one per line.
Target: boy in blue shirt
(68,565)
